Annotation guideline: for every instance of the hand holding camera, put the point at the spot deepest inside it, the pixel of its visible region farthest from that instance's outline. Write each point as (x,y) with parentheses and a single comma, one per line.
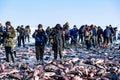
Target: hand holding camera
(36,32)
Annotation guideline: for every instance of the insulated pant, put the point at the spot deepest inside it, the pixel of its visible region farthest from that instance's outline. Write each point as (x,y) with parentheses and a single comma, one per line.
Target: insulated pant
(106,40)
(81,38)
(39,52)
(9,54)
(58,51)
(88,44)
(23,40)
(94,40)
(18,39)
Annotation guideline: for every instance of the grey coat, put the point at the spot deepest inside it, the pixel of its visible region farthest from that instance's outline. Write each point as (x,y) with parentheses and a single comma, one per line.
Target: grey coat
(58,43)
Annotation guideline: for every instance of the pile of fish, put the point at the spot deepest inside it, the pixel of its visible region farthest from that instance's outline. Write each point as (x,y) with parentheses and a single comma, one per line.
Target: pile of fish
(93,64)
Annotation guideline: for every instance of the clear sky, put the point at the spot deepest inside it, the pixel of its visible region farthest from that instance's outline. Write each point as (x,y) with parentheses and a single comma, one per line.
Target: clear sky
(51,12)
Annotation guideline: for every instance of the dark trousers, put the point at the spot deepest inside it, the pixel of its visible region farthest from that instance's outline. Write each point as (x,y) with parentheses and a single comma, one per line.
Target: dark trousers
(18,39)
(39,52)
(22,39)
(93,42)
(99,40)
(106,40)
(9,54)
(58,51)
(111,39)
(81,37)
(88,44)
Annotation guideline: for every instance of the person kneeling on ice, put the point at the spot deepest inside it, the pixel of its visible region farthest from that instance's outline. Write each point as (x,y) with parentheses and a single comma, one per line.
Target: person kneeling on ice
(40,41)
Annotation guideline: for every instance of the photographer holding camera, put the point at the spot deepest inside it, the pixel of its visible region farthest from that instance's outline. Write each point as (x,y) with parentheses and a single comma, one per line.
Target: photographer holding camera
(9,35)
(40,42)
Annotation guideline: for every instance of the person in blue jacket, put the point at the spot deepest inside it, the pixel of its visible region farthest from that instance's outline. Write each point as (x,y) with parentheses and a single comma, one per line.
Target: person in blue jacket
(74,35)
(107,34)
(94,35)
(40,41)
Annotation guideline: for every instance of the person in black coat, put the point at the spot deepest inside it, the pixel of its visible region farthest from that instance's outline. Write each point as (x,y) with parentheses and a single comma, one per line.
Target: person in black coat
(40,41)
(58,41)
(18,36)
(21,36)
(100,36)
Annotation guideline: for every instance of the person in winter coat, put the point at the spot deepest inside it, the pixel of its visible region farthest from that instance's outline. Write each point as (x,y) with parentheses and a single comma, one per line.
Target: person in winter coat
(40,41)
(67,37)
(112,33)
(9,45)
(58,41)
(48,31)
(66,34)
(27,33)
(88,34)
(115,34)
(81,34)
(66,26)
(18,36)
(107,34)
(74,35)
(22,35)
(100,36)
(94,35)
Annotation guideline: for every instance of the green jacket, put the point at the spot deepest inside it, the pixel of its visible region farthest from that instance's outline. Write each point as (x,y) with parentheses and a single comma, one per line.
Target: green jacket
(9,41)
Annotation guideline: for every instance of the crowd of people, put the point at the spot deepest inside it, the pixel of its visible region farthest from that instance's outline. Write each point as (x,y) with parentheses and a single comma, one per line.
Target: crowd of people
(89,36)
(11,38)
(59,37)
(85,40)
(23,34)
